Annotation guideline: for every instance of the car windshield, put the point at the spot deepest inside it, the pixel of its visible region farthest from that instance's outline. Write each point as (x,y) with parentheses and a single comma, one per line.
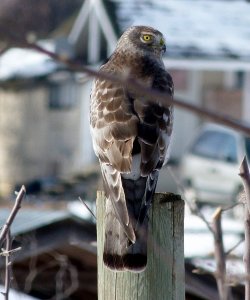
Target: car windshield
(216,145)
(247,141)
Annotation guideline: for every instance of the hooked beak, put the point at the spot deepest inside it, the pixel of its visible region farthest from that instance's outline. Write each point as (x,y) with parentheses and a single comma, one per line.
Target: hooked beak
(163,45)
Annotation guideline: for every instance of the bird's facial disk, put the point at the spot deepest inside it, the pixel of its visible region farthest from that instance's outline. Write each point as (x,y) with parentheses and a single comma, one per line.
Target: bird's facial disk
(154,41)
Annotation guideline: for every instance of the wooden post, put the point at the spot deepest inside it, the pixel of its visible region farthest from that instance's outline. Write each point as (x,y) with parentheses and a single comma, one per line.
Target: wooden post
(164,275)
(245,175)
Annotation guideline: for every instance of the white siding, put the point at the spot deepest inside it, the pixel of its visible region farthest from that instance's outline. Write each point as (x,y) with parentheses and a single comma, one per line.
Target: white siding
(246,98)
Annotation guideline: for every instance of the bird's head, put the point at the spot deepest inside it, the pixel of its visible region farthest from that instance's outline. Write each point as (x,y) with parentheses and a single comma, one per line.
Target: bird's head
(143,38)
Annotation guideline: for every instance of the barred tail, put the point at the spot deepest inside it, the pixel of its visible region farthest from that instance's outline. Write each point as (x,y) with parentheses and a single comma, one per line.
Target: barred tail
(119,252)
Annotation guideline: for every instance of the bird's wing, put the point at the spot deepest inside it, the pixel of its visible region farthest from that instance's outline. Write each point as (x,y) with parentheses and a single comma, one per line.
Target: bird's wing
(155,126)
(113,125)
(113,128)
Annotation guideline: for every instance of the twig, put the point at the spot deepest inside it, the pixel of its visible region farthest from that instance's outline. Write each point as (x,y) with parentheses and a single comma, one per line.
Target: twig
(85,204)
(17,206)
(33,270)
(149,93)
(7,266)
(192,205)
(65,269)
(5,236)
(61,275)
(219,253)
(229,207)
(5,253)
(245,176)
(235,246)
(199,213)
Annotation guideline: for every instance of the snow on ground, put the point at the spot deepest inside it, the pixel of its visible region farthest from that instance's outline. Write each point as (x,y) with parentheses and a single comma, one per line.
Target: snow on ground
(198,240)
(15,295)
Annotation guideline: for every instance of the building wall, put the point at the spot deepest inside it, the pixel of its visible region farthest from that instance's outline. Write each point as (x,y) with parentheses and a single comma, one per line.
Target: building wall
(23,126)
(212,79)
(188,89)
(39,141)
(246,98)
(222,93)
(209,89)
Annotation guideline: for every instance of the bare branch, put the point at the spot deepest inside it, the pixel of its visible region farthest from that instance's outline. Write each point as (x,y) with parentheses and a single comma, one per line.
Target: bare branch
(74,281)
(17,206)
(7,266)
(133,84)
(5,236)
(229,207)
(235,246)
(85,204)
(220,258)
(191,204)
(6,253)
(33,270)
(245,176)
(65,269)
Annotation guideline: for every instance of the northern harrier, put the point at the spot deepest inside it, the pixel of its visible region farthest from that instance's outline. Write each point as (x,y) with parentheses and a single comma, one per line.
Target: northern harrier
(131,135)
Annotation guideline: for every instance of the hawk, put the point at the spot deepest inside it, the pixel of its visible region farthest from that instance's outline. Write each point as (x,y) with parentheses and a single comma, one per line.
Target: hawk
(131,135)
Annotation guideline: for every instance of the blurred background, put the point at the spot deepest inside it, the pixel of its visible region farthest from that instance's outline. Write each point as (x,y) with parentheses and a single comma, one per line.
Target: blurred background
(45,141)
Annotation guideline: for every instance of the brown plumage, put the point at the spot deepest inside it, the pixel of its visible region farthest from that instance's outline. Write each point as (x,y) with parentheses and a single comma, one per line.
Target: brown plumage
(131,138)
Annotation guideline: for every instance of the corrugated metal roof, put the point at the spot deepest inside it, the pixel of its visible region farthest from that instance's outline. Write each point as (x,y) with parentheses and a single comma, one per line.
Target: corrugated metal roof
(31,219)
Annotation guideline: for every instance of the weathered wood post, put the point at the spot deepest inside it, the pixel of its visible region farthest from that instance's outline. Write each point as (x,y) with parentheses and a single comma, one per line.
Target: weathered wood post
(164,275)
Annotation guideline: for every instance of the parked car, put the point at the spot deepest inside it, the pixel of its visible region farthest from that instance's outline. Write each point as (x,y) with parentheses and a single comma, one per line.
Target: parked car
(210,167)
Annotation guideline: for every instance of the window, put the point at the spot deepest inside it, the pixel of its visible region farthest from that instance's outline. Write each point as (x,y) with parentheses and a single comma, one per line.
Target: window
(216,145)
(239,80)
(62,96)
(247,143)
(228,149)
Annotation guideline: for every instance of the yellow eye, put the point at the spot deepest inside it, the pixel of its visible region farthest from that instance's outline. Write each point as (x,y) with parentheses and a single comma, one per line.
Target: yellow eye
(147,37)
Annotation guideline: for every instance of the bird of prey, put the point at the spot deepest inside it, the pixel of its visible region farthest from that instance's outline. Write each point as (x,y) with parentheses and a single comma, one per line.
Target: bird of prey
(131,135)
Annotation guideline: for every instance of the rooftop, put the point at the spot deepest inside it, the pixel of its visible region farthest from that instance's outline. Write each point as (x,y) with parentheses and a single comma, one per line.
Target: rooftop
(193,28)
